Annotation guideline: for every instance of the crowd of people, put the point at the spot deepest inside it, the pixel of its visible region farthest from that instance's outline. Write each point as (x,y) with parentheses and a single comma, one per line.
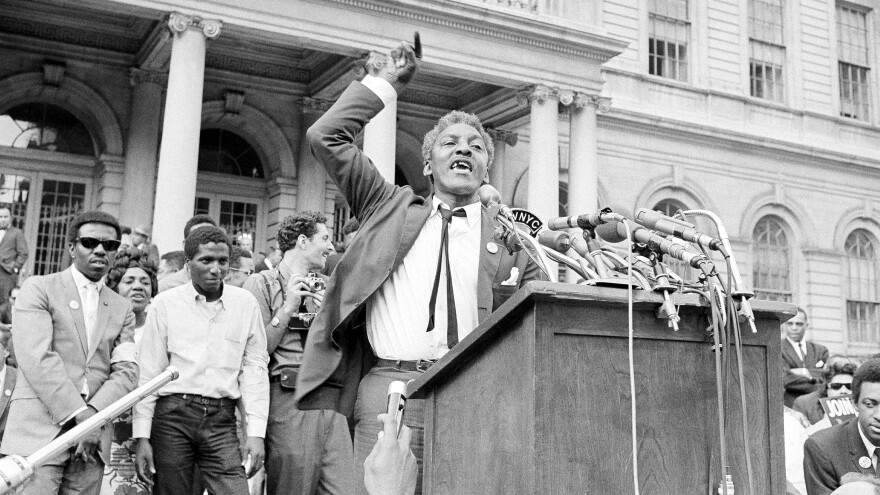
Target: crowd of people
(284,359)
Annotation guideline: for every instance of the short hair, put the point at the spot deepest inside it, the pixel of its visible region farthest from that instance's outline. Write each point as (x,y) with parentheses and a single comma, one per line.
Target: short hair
(175,258)
(457,117)
(351,225)
(92,217)
(126,230)
(195,220)
(869,371)
(236,255)
(132,258)
(804,311)
(302,223)
(201,236)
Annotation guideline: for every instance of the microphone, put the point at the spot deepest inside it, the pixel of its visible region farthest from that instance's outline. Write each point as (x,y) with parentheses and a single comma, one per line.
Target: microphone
(585,221)
(683,230)
(608,231)
(556,240)
(490,197)
(397,402)
(659,243)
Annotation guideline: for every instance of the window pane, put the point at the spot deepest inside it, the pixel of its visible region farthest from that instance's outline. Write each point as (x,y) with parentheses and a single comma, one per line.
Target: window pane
(765,70)
(45,127)
(667,47)
(14,190)
(765,21)
(854,91)
(224,152)
(239,218)
(852,36)
(771,254)
(59,204)
(863,287)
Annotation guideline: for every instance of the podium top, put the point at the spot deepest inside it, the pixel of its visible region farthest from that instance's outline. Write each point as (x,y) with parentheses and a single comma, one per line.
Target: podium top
(539,291)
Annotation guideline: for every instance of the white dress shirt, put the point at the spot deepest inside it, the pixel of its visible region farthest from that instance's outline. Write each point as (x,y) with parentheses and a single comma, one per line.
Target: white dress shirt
(219,348)
(800,348)
(397,313)
(89,294)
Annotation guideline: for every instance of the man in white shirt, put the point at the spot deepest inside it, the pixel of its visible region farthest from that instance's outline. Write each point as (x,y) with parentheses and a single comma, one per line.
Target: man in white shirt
(213,334)
(422,271)
(850,447)
(74,344)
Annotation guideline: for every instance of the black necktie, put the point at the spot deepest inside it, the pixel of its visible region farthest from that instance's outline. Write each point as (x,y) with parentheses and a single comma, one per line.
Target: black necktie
(451,316)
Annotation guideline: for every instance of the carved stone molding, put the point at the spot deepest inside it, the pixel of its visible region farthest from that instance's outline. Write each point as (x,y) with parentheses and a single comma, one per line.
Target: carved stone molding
(508,137)
(315,105)
(179,23)
(53,73)
(601,103)
(234,101)
(538,92)
(138,76)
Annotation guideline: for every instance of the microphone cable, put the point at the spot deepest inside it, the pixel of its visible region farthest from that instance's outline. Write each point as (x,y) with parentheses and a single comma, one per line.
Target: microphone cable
(737,335)
(632,373)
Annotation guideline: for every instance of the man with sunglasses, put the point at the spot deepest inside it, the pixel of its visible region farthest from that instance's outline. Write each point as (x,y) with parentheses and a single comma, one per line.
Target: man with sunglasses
(76,356)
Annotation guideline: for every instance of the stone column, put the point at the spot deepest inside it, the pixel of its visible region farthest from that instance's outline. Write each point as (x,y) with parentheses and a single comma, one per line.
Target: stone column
(543,193)
(583,155)
(179,152)
(501,140)
(139,185)
(380,140)
(280,203)
(109,170)
(311,176)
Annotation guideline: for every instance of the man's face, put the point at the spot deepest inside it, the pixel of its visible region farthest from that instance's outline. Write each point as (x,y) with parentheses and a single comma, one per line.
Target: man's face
(137,239)
(165,269)
(869,411)
(208,268)
(317,248)
(459,161)
(93,263)
(842,383)
(275,256)
(5,218)
(795,327)
(237,276)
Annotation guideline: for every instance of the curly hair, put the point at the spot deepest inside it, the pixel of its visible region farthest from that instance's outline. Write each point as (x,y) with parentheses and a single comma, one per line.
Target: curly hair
(132,258)
(457,117)
(92,217)
(204,235)
(302,223)
(837,365)
(869,371)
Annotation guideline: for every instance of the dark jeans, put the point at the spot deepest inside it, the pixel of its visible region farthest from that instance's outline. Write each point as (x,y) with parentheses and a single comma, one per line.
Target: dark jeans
(186,433)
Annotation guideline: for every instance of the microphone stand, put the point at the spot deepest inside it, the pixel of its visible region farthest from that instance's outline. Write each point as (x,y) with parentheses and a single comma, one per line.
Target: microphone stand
(539,256)
(667,309)
(739,292)
(15,470)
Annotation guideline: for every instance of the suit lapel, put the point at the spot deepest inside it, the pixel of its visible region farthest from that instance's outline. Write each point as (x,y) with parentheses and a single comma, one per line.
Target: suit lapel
(74,305)
(489,262)
(416,216)
(101,320)
(857,449)
(8,387)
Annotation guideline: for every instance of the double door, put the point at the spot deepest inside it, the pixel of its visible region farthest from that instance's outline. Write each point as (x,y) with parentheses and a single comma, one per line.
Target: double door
(237,215)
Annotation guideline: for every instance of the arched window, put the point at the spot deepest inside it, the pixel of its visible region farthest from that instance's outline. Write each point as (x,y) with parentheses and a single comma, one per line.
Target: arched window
(670,207)
(772,260)
(45,127)
(863,291)
(224,152)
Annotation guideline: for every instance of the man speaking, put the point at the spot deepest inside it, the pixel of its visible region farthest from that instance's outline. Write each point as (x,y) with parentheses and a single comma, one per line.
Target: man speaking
(421,273)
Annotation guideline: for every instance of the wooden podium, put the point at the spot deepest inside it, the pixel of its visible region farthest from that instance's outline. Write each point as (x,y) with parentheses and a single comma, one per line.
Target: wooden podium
(536,400)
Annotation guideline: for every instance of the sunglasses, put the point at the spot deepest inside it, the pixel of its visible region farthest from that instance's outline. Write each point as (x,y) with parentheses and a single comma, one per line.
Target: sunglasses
(838,386)
(92,243)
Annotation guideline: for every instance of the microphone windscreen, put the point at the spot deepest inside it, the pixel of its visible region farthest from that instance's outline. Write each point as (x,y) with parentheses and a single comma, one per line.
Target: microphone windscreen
(556,240)
(488,195)
(608,231)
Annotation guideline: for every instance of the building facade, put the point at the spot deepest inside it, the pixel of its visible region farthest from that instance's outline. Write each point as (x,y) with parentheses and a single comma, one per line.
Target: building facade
(763,111)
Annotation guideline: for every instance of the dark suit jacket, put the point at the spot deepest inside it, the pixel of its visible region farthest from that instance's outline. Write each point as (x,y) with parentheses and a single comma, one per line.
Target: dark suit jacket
(337,351)
(13,250)
(810,406)
(55,356)
(796,385)
(831,453)
(6,391)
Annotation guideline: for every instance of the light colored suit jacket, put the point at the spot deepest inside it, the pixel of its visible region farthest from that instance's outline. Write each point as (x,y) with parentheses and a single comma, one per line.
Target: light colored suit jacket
(6,391)
(54,359)
(13,250)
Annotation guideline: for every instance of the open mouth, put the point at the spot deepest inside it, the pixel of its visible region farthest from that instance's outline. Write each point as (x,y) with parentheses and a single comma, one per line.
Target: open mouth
(461,165)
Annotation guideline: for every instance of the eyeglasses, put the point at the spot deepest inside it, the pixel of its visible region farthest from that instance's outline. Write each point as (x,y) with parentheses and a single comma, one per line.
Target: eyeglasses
(92,243)
(246,272)
(838,386)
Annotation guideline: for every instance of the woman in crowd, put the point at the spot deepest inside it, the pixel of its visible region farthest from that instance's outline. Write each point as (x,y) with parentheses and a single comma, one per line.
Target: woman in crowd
(837,381)
(133,276)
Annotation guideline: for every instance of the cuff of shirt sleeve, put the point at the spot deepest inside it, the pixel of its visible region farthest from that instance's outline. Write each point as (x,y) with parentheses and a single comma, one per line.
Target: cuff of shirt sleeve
(140,427)
(256,427)
(73,415)
(383,89)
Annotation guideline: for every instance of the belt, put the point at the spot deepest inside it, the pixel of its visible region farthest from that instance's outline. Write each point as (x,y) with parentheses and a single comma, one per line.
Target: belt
(420,365)
(206,401)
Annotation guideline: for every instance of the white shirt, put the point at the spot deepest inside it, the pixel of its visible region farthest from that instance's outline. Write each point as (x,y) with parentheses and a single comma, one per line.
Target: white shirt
(397,313)
(88,299)
(800,348)
(870,447)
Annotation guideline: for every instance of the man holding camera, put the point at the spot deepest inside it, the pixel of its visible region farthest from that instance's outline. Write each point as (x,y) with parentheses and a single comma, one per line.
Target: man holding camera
(306,451)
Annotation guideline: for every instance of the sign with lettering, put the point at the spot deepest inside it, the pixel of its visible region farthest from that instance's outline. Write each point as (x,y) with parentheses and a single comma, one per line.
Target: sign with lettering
(527,219)
(839,409)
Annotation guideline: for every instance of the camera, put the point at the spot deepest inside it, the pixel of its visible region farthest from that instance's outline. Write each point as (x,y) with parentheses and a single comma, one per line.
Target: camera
(315,283)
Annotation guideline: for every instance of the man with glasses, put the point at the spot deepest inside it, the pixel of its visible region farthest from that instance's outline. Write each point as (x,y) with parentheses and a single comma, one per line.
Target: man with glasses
(306,451)
(74,342)
(241,266)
